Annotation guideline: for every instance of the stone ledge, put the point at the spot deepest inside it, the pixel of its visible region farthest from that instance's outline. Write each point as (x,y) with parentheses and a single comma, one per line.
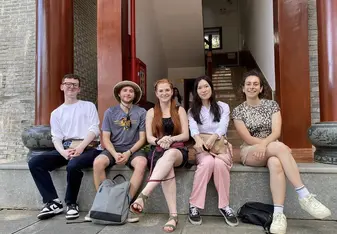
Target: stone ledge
(303,167)
(247,184)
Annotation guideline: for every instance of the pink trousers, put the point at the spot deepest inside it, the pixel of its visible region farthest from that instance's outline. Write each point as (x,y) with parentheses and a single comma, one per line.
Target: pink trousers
(207,165)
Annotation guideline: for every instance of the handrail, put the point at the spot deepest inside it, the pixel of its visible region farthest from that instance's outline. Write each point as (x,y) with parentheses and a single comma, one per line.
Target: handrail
(209,64)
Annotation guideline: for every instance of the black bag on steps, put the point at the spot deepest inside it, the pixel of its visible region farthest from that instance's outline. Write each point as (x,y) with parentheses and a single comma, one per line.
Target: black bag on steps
(257,213)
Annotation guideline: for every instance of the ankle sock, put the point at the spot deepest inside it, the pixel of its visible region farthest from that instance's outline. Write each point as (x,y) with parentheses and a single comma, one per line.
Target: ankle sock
(278,208)
(302,192)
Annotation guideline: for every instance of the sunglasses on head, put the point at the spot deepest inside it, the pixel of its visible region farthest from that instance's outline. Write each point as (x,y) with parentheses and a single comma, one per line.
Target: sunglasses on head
(128,123)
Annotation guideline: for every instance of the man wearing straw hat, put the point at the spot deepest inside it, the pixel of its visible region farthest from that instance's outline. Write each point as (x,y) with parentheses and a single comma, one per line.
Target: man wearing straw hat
(123,136)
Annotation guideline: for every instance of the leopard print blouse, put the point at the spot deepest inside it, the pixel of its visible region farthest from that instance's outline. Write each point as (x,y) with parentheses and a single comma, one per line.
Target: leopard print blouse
(258,119)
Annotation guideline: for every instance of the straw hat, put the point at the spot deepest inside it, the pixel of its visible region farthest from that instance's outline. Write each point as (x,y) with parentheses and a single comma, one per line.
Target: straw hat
(122,84)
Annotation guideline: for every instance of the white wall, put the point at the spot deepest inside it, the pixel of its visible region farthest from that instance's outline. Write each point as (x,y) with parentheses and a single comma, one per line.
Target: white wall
(177,76)
(149,47)
(258,34)
(181,31)
(229,22)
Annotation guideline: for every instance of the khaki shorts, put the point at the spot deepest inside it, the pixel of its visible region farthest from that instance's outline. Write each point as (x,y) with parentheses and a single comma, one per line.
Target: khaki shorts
(244,151)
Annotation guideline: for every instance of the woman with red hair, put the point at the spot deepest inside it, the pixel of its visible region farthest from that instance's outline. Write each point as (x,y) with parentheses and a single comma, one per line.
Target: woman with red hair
(166,130)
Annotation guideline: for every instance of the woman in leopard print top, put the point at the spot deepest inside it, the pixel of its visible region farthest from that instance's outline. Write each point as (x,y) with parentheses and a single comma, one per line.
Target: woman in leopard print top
(258,122)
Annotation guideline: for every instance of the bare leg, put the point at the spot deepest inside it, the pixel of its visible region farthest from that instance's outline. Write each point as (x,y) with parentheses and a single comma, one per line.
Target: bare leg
(277,177)
(139,164)
(100,163)
(282,152)
(170,192)
(171,158)
(277,180)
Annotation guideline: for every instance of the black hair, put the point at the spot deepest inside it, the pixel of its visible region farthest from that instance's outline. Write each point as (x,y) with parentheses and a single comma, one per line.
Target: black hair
(178,95)
(73,76)
(197,103)
(259,75)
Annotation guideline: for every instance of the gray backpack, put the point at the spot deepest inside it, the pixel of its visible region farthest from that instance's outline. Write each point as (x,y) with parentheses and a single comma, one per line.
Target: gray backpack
(111,203)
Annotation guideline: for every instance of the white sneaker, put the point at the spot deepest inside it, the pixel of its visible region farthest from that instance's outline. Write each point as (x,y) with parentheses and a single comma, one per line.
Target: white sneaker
(132,217)
(279,224)
(87,217)
(311,205)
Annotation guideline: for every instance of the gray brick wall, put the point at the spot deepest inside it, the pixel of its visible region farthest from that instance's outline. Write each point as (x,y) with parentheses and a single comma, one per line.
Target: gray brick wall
(17,74)
(313,57)
(85,47)
(17,67)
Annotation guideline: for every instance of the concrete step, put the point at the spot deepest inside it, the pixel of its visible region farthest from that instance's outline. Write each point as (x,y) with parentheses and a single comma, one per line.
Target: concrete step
(247,184)
(23,221)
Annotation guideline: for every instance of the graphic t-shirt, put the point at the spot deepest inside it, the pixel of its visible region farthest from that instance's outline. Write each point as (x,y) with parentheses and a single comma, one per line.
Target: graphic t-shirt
(258,119)
(124,128)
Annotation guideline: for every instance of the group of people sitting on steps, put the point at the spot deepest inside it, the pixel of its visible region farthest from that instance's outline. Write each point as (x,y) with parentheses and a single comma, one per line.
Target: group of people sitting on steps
(127,127)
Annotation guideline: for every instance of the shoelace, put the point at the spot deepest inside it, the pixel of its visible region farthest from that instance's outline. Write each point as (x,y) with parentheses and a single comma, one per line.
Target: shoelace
(279,217)
(72,207)
(229,212)
(194,211)
(48,204)
(311,200)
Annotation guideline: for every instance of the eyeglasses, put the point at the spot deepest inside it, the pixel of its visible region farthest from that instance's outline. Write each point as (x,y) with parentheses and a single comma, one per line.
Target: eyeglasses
(71,85)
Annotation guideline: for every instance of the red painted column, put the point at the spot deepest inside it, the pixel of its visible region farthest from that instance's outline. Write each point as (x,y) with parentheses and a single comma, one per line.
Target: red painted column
(327,58)
(292,76)
(54,54)
(133,41)
(111,43)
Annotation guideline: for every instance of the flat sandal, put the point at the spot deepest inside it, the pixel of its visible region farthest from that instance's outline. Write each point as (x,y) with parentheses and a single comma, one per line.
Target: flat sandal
(174,227)
(139,211)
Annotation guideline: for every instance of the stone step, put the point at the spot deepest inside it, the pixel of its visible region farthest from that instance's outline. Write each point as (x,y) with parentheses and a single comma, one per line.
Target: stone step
(225,96)
(18,190)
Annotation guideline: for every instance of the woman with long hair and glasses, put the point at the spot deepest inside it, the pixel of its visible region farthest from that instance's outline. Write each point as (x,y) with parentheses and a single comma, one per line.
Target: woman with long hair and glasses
(211,117)
(258,122)
(166,130)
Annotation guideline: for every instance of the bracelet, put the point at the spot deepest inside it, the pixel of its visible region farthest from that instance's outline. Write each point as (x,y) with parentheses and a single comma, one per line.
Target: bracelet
(156,141)
(130,152)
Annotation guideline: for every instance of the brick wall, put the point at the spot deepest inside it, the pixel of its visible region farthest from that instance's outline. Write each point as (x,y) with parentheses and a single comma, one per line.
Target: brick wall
(17,74)
(85,47)
(315,112)
(17,67)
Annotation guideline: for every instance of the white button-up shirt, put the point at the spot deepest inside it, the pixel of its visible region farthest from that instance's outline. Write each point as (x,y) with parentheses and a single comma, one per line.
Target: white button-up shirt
(208,125)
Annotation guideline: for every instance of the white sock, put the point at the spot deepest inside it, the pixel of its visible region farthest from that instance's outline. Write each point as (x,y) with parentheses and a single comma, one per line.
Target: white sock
(57,200)
(302,192)
(278,208)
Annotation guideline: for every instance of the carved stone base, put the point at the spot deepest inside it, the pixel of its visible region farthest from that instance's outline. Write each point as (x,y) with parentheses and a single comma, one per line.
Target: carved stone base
(38,140)
(323,136)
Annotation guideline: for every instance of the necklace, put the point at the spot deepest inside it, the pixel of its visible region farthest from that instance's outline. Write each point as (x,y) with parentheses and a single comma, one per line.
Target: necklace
(127,119)
(128,108)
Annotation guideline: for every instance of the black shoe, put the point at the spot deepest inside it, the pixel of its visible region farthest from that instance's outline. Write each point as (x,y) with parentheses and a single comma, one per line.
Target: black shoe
(230,217)
(72,211)
(50,209)
(194,216)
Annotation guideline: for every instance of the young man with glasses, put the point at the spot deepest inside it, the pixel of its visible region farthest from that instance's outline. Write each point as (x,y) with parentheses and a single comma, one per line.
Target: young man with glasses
(123,136)
(75,132)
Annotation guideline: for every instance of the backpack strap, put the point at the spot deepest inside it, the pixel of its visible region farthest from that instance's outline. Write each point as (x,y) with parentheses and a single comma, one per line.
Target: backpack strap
(119,175)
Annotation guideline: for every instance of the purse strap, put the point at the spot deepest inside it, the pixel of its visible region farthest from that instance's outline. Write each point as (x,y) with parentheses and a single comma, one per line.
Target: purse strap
(174,145)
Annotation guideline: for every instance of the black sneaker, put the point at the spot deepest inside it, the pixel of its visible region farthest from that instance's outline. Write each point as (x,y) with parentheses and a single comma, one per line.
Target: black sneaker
(50,209)
(72,211)
(194,216)
(230,217)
